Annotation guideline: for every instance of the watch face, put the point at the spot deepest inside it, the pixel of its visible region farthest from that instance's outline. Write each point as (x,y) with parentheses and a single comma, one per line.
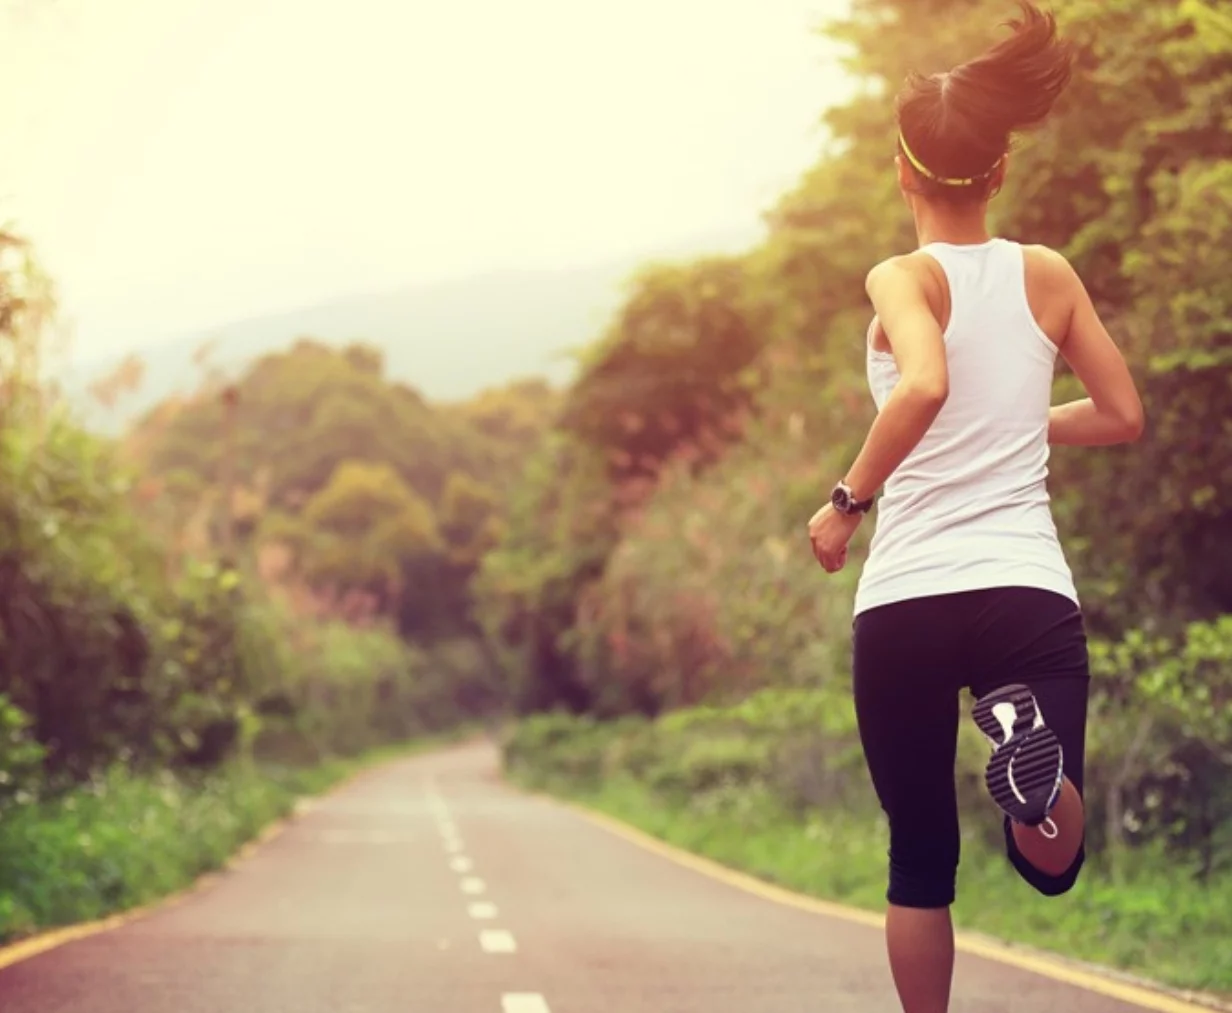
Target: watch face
(840,499)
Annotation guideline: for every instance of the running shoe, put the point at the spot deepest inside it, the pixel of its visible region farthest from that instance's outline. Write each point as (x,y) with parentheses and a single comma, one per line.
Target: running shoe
(1024,773)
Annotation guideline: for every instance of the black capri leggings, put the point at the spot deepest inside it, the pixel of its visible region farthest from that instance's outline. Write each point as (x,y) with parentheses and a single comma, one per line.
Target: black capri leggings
(911,659)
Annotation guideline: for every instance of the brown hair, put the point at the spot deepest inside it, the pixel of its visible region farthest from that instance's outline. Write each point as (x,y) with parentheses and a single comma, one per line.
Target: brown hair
(955,128)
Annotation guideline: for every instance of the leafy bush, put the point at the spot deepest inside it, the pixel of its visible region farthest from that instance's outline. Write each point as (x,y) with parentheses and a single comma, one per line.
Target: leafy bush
(115,656)
(21,757)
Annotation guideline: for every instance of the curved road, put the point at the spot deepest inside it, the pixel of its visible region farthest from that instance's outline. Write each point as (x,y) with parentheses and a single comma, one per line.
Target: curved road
(427,886)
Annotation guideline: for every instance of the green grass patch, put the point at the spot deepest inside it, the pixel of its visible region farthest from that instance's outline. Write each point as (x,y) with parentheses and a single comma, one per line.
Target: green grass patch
(128,840)
(1153,920)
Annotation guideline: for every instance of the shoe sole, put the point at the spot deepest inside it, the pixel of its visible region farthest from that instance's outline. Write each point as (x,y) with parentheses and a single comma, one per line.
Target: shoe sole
(986,710)
(1023,776)
(1024,771)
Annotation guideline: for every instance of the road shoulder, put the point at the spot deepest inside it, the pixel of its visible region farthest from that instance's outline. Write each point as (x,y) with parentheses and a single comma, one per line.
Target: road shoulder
(1117,985)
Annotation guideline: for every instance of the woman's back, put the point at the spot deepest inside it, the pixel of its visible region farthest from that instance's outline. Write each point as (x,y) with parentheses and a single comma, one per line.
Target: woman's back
(969,507)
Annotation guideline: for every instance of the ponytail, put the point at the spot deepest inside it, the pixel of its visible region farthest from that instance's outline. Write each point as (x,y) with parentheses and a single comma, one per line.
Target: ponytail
(955,128)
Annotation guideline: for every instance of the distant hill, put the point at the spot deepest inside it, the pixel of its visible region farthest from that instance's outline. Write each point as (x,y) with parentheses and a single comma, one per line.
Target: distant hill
(449,340)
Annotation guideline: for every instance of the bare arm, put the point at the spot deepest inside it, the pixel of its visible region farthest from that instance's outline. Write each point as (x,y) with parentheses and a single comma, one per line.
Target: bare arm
(898,296)
(1112,413)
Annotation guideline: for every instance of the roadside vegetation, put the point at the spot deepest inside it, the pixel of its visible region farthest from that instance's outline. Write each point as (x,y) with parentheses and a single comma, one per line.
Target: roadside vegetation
(166,693)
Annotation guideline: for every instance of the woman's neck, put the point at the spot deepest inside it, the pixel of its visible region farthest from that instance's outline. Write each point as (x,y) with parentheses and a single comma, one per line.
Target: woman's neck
(944,223)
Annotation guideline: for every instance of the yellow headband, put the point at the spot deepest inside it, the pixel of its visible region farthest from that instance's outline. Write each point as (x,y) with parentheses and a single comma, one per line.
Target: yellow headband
(929,174)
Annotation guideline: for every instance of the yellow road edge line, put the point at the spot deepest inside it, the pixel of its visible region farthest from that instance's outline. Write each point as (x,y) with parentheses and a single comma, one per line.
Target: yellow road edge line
(33,946)
(979,946)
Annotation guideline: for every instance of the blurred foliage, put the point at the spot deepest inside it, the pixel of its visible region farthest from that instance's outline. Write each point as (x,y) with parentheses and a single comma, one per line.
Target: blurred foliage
(354,495)
(201,621)
(128,638)
(673,374)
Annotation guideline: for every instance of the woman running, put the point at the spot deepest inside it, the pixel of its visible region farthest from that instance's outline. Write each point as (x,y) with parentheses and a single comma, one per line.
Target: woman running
(966,584)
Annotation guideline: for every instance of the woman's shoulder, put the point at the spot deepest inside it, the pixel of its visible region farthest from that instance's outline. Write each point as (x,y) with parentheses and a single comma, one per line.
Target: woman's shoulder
(916,270)
(1052,287)
(907,278)
(1045,257)
(913,262)
(1048,270)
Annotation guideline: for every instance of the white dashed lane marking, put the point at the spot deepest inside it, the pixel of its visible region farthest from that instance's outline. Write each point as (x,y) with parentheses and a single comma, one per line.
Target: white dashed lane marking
(523,1002)
(497,941)
(490,940)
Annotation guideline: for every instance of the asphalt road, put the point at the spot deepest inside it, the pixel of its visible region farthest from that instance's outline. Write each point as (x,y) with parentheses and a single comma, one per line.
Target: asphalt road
(427,886)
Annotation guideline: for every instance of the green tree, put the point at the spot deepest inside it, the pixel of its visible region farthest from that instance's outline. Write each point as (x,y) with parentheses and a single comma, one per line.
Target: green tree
(371,533)
(672,373)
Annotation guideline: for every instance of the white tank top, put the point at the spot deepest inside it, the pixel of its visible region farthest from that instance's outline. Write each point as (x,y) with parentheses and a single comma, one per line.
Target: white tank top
(969,507)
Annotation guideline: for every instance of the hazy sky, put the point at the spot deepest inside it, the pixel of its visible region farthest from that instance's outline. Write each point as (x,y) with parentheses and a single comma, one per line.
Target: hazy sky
(186,162)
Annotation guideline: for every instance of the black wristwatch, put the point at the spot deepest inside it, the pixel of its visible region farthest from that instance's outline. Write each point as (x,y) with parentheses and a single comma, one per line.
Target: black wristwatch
(843,501)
